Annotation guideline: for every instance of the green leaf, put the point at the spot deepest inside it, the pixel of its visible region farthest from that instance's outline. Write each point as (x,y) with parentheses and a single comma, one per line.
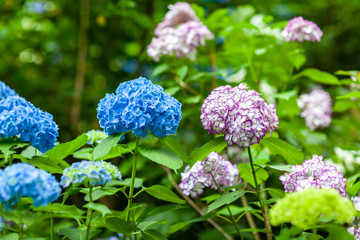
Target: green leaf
(349,95)
(284,168)
(318,76)
(72,210)
(276,193)
(226,199)
(192,99)
(146,224)
(309,236)
(163,209)
(199,154)
(45,164)
(77,234)
(61,151)
(105,145)
(177,226)
(121,226)
(152,234)
(286,95)
(164,193)
(126,182)
(98,207)
(297,58)
(101,192)
(159,69)
(353,189)
(287,151)
(246,173)
(162,156)
(7,146)
(11,236)
(337,231)
(181,72)
(175,146)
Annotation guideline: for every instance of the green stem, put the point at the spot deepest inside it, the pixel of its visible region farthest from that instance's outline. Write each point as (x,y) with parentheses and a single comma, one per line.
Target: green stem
(52,231)
(133,175)
(21,227)
(267,224)
(88,216)
(229,210)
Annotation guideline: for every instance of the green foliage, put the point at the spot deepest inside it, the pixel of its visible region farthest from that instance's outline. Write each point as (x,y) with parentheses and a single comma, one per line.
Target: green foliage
(226,199)
(288,152)
(163,193)
(106,145)
(162,156)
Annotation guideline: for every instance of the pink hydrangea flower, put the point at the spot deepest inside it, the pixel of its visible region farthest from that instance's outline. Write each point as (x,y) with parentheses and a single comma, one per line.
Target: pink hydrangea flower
(316,108)
(241,114)
(300,30)
(313,173)
(200,176)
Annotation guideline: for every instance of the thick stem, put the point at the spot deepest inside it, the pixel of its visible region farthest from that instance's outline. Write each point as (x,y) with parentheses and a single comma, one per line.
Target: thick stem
(133,175)
(81,63)
(229,210)
(88,216)
(196,207)
(21,227)
(267,223)
(52,231)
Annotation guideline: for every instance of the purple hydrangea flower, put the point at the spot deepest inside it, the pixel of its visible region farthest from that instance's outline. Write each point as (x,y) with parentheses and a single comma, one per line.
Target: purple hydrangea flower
(24,180)
(354,230)
(200,176)
(139,105)
(20,118)
(313,173)
(316,108)
(241,114)
(300,30)
(180,33)
(6,91)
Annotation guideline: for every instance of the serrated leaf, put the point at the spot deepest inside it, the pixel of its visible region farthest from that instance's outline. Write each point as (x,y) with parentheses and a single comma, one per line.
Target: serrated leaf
(163,209)
(177,226)
(276,193)
(71,210)
(121,226)
(349,95)
(175,146)
(162,156)
(226,199)
(45,164)
(126,182)
(101,192)
(353,189)
(105,145)
(215,145)
(98,207)
(61,151)
(7,146)
(287,151)
(318,76)
(164,193)
(152,234)
(77,234)
(146,224)
(284,168)
(11,236)
(246,173)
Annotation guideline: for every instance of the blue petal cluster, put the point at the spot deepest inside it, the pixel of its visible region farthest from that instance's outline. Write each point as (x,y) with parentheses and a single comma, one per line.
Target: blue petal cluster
(89,173)
(6,91)
(24,180)
(139,105)
(20,118)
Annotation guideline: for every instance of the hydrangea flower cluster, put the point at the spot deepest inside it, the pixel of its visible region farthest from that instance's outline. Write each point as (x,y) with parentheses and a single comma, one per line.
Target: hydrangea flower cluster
(179,34)
(6,91)
(241,114)
(304,208)
(316,108)
(95,136)
(24,180)
(89,173)
(200,176)
(354,230)
(313,173)
(20,118)
(139,105)
(300,30)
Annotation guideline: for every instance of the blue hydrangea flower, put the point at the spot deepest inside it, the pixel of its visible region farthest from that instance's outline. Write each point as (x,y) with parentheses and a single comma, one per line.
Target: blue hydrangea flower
(6,91)
(139,105)
(89,173)
(24,180)
(20,118)
(95,136)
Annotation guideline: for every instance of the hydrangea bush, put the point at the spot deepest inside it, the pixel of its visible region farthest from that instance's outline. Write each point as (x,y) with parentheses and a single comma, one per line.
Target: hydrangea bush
(217,81)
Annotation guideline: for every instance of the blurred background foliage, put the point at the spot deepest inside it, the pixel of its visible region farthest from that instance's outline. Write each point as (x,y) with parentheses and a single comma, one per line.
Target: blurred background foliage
(39,43)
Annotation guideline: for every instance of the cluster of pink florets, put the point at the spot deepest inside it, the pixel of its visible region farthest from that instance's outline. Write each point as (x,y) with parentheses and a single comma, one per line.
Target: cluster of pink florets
(300,30)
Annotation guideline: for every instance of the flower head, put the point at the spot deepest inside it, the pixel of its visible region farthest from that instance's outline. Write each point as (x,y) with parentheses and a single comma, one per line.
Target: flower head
(20,118)
(194,180)
(316,108)
(139,105)
(300,30)
(6,91)
(241,114)
(89,173)
(95,136)
(24,180)
(304,208)
(179,34)
(313,173)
